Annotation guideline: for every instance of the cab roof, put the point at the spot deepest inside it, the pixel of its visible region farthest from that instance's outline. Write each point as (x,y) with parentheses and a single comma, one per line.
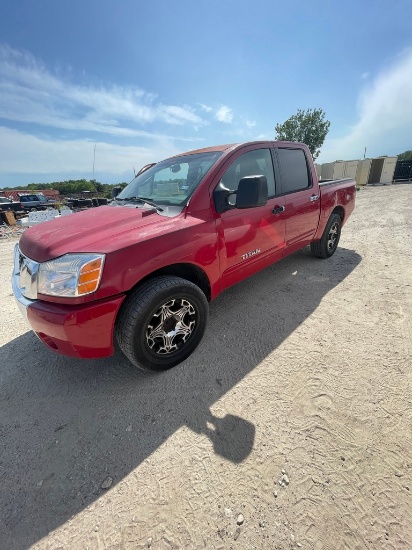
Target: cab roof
(231,146)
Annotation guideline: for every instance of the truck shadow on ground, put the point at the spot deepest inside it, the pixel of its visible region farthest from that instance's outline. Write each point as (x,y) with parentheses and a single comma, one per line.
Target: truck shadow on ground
(68,424)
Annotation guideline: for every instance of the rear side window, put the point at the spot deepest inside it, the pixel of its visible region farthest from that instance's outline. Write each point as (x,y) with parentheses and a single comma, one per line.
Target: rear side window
(294,170)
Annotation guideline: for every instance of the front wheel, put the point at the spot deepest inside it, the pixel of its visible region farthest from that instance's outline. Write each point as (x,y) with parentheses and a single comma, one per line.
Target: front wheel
(162,322)
(329,241)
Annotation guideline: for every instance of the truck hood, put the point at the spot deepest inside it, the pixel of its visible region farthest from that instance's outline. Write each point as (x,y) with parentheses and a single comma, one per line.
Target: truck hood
(103,230)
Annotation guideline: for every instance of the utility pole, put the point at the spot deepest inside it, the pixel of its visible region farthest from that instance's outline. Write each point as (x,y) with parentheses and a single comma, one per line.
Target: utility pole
(94,158)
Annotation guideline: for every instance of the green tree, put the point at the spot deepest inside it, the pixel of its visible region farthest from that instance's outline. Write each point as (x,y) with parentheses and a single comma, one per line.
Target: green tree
(98,186)
(407,155)
(307,126)
(84,186)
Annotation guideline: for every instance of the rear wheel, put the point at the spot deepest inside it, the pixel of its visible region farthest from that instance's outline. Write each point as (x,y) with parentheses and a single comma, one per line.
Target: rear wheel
(327,245)
(162,322)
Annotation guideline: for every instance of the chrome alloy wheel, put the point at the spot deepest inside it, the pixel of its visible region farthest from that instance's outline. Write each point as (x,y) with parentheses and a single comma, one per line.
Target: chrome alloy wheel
(333,236)
(171,326)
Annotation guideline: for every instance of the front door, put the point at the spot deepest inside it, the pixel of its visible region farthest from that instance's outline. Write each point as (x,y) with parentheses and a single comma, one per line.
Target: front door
(254,237)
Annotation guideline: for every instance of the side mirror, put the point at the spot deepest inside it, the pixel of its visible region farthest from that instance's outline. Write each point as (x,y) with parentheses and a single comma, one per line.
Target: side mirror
(252,192)
(221,198)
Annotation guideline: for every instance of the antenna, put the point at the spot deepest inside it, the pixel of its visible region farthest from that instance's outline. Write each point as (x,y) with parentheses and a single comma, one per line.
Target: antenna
(134,172)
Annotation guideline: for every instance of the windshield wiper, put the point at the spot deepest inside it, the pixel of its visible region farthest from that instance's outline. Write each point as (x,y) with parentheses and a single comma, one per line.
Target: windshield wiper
(142,200)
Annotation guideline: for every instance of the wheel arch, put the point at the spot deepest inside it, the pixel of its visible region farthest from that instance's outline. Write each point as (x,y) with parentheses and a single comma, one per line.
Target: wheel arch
(339,211)
(189,272)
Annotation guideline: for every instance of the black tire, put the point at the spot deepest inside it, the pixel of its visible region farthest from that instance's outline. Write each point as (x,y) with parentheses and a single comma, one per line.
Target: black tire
(166,303)
(325,248)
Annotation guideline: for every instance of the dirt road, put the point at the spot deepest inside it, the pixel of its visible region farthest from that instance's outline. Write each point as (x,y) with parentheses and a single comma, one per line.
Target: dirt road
(290,426)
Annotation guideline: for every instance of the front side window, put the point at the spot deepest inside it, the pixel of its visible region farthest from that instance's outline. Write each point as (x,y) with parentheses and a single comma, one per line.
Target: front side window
(172,181)
(253,163)
(294,170)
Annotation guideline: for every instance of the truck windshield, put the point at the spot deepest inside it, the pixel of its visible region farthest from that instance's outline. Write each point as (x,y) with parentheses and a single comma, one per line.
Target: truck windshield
(171,182)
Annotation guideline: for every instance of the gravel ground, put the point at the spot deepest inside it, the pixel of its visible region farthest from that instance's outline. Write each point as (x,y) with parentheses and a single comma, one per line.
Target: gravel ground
(289,427)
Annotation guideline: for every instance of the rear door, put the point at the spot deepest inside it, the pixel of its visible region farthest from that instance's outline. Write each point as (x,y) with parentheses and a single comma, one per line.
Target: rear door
(302,199)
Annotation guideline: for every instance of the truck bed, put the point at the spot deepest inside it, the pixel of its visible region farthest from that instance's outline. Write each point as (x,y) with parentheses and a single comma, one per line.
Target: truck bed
(324,183)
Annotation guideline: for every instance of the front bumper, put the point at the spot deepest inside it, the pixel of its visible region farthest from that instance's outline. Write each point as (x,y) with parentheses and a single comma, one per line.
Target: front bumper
(84,331)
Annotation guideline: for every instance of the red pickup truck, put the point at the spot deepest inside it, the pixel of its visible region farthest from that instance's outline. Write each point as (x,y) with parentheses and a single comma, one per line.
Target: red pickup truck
(142,269)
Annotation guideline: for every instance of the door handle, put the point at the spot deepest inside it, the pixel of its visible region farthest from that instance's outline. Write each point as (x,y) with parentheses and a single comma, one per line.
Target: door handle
(313,198)
(278,209)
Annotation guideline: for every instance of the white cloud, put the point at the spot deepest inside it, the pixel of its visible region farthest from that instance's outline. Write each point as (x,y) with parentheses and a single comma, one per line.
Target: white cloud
(179,115)
(205,107)
(385,116)
(250,123)
(26,154)
(30,93)
(224,114)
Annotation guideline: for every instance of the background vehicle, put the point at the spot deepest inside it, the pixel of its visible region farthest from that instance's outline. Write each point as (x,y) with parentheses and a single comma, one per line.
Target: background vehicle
(35,202)
(7,204)
(143,269)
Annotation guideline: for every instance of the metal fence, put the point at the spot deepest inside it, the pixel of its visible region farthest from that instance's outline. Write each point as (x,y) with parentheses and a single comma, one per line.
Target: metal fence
(403,171)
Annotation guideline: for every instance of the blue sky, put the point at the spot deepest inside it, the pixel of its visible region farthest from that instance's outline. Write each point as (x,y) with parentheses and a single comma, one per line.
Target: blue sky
(141,81)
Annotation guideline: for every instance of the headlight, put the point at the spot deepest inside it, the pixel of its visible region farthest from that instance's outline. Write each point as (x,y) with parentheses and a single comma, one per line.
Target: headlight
(71,275)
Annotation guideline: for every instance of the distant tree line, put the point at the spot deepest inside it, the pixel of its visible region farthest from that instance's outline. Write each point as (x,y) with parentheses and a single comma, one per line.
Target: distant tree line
(70,187)
(407,155)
